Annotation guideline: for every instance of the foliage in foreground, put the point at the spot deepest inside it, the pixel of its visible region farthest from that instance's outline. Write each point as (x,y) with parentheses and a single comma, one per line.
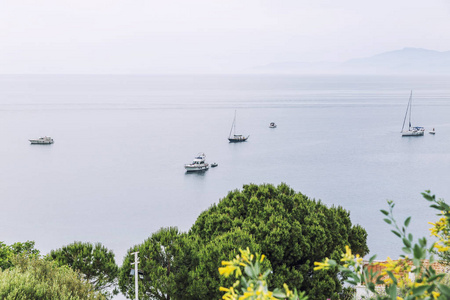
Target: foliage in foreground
(8,252)
(253,283)
(34,278)
(427,284)
(292,230)
(95,263)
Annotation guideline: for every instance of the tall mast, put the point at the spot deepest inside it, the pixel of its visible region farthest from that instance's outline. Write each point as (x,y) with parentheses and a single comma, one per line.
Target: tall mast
(410,107)
(233,125)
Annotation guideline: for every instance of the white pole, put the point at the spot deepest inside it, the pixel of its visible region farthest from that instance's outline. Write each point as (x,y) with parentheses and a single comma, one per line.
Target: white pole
(136,287)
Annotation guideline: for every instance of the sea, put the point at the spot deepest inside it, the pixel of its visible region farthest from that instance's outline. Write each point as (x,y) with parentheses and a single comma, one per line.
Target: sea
(115,173)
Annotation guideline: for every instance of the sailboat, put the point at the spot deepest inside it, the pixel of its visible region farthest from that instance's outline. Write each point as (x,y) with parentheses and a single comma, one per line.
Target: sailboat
(412,131)
(235,138)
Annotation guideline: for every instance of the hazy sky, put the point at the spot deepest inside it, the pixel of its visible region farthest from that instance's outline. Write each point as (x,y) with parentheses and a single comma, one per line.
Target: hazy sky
(208,36)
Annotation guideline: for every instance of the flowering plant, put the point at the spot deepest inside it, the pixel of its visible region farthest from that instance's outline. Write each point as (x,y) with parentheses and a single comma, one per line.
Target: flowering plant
(426,283)
(253,282)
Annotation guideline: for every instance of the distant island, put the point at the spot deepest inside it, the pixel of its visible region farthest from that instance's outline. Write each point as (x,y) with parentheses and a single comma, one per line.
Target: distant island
(404,61)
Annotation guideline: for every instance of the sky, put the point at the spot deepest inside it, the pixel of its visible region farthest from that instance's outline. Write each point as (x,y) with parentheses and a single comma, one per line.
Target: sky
(208,36)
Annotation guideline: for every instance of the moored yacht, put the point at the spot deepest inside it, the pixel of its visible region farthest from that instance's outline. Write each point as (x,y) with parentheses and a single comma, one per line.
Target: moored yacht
(236,138)
(412,131)
(42,140)
(198,164)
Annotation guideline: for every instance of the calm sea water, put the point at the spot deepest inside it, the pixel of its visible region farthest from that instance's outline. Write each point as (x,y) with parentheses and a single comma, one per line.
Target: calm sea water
(115,172)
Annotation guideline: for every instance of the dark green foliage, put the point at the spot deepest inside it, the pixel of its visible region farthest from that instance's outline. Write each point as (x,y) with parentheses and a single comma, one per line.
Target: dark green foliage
(37,279)
(8,252)
(292,230)
(95,262)
(203,280)
(156,257)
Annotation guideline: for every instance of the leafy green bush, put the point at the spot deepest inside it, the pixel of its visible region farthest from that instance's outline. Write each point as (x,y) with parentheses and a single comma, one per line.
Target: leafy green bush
(37,279)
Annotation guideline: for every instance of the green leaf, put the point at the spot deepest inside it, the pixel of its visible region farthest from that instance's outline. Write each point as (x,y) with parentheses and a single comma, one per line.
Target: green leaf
(433,278)
(427,196)
(332,262)
(417,252)
(391,275)
(388,221)
(249,271)
(407,221)
(410,237)
(406,242)
(279,294)
(406,250)
(423,242)
(444,289)
(384,212)
(438,207)
(418,291)
(396,233)
(392,291)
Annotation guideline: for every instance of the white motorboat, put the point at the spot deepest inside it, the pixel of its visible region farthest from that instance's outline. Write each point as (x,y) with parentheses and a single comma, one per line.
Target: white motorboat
(198,164)
(42,140)
(272,125)
(214,164)
(412,131)
(432,131)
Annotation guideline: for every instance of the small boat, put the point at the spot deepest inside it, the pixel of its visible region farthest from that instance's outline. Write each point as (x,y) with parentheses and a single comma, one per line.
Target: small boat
(236,138)
(412,131)
(432,131)
(272,125)
(42,140)
(198,164)
(214,164)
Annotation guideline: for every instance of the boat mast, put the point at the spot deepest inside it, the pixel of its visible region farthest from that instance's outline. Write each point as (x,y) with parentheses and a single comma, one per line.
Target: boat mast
(233,126)
(406,114)
(410,107)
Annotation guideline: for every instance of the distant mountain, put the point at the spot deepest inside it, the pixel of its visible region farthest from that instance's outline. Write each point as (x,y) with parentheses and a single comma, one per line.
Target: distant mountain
(404,61)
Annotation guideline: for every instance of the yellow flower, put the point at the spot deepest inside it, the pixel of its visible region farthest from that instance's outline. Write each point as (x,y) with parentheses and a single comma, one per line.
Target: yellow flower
(322,266)
(435,295)
(348,254)
(262,258)
(359,260)
(227,271)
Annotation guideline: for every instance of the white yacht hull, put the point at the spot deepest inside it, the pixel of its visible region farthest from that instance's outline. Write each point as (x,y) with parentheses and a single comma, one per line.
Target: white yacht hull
(43,142)
(412,133)
(196,168)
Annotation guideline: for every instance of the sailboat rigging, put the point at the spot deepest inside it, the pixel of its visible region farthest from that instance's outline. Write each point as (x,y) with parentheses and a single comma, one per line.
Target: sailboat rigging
(412,131)
(235,138)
